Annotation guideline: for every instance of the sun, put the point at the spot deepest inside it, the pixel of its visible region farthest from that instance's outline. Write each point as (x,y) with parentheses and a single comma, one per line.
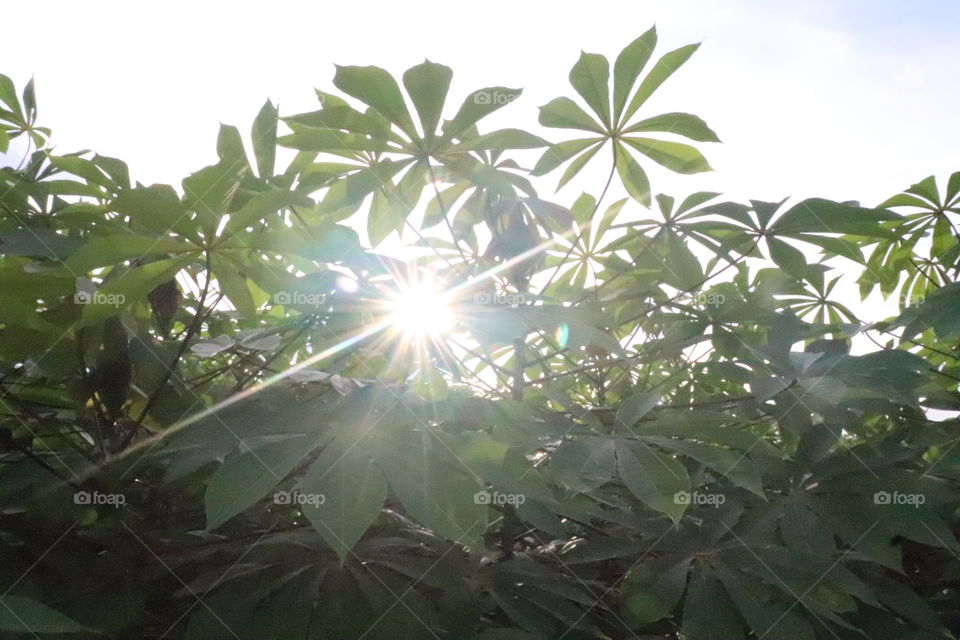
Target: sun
(421,309)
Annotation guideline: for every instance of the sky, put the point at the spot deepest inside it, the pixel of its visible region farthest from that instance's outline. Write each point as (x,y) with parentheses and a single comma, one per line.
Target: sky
(845,99)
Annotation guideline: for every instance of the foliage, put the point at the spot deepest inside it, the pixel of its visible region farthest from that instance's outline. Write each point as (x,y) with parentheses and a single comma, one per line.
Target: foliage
(653,418)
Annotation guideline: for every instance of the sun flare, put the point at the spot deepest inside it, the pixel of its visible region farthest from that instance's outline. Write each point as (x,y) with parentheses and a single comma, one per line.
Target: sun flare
(421,309)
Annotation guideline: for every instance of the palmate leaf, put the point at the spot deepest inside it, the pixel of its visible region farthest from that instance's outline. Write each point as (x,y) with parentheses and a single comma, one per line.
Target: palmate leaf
(590,78)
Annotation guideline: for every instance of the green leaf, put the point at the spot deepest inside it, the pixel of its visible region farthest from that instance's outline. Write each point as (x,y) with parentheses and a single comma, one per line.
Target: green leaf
(263,134)
(232,283)
(788,258)
(500,140)
(635,406)
(324,243)
(632,175)
(817,215)
(682,124)
(583,464)
(4,141)
(376,88)
(926,188)
(210,191)
(260,206)
(766,615)
(653,588)
(627,68)
(8,95)
(683,268)
(157,207)
(110,250)
(130,287)
(708,613)
(23,615)
(653,477)
(331,141)
(477,106)
(735,466)
(357,186)
(427,85)
(564,113)
(663,69)
(590,77)
(230,147)
(676,156)
(577,165)
(435,488)
(353,493)
(248,475)
(559,153)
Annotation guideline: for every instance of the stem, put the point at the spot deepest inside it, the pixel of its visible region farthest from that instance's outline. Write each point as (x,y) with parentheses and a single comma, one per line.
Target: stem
(191,332)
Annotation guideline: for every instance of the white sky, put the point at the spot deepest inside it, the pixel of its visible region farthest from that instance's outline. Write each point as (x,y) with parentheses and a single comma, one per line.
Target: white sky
(847,99)
(837,98)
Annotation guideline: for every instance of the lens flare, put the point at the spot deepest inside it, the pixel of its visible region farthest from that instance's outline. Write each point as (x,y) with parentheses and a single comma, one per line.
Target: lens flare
(421,309)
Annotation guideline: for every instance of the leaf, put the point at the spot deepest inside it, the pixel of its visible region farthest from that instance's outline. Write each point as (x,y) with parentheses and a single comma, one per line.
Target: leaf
(8,95)
(354,491)
(23,615)
(559,153)
(684,270)
(263,134)
(653,588)
(500,140)
(765,615)
(681,124)
(577,165)
(627,69)
(583,464)
(130,287)
(590,77)
(788,258)
(735,466)
(110,250)
(157,207)
(634,178)
(817,215)
(635,406)
(678,157)
(376,88)
(210,191)
(477,106)
(260,206)
(564,113)
(653,477)
(427,85)
(663,69)
(434,488)
(230,147)
(246,476)
(331,141)
(708,613)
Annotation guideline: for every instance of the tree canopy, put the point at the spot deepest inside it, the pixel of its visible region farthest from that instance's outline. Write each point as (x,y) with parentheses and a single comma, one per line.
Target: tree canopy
(369,377)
